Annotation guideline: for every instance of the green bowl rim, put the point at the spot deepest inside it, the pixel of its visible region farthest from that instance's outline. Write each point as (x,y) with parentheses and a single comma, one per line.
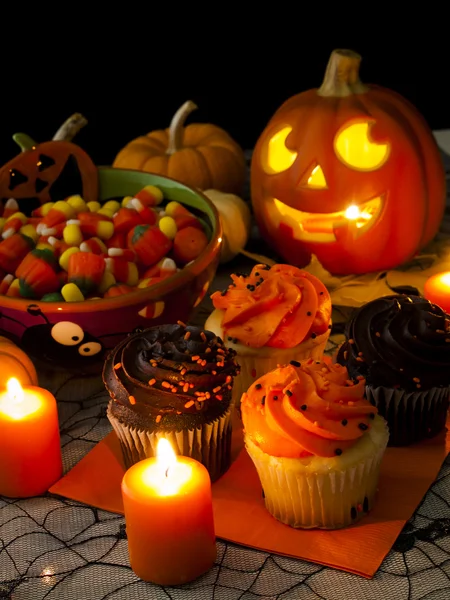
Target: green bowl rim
(151,294)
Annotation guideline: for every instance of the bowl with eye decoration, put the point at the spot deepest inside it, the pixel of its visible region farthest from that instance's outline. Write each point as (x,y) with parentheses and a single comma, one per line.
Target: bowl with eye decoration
(76,335)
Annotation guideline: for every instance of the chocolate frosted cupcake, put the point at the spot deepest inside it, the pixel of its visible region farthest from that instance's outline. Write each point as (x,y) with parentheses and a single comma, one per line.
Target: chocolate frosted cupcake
(400,344)
(172,381)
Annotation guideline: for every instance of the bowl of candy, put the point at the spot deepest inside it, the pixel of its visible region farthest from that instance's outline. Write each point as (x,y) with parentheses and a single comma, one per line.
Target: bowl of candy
(79,274)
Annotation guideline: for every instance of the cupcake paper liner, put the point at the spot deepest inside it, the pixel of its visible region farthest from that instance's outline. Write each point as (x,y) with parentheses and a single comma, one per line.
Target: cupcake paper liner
(257,362)
(411,416)
(210,444)
(334,496)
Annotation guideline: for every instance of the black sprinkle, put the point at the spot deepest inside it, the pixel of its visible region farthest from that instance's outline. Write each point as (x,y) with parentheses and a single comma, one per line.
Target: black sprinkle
(224,292)
(363,426)
(344,422)
(338,451)
(256,274)
(329,326)
(303,407)
(320,293)
(263,400)
(288,393)
(309,313)
(313,336)
(235,340)
(372,416)
(230,339)
(263,494)
(258,386)
(295,363)
(251,287)
(275,397)
(366,504)
(353,513)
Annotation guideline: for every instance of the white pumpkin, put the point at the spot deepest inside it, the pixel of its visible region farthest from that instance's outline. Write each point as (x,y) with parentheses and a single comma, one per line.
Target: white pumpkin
(236,221)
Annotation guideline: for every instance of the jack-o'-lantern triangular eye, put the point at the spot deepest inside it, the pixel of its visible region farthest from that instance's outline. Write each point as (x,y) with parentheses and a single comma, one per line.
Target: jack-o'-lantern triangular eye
(276,157)
(314,178)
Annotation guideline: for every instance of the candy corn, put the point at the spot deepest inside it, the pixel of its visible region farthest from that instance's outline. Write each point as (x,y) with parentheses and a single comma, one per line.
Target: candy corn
(149,243)
(86,271)
(37,274)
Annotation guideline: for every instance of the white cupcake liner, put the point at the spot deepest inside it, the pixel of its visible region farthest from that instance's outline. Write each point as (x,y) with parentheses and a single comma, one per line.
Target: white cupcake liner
(411,416)
(255,362)
(322,493)
(209,444)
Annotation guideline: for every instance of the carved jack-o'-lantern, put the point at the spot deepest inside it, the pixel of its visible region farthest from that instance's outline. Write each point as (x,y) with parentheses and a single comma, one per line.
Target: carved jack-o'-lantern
(47,172)
(348,172)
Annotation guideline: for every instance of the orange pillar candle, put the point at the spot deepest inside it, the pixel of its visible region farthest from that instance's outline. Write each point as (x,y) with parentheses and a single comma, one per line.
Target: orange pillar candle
(30,450)
(437,290)
(169,518)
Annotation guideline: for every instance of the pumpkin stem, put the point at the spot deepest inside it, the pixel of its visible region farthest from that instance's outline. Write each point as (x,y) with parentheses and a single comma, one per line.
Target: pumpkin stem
(70,128)
(342,75)
(176,130)
(24,141)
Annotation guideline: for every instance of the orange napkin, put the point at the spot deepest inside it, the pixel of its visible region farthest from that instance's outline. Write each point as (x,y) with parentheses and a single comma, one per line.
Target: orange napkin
(240,516)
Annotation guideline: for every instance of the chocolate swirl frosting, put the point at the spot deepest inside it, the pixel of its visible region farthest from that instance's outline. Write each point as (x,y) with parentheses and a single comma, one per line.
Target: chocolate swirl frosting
(398,341)
(168,371)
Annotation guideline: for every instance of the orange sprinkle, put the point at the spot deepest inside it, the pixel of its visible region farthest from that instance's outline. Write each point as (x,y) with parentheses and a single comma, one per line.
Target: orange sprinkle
(378,334)
(416,380)
(158,418)
(185,387)
(174,390)
(187,335)
(189,404)
(216,389)
(191,385)
(207,350)
(220,351)
(178,412)
(132,399)
(203,336)
(228,379)
(350,341)
(183,372)
(166,384)
(117,366)
(196,357)
(152,381)
(214,372)
(181,323)
(219,397)
(201,398)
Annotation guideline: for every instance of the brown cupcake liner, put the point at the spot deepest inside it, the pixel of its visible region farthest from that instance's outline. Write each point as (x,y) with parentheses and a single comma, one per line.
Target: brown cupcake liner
(209,444)
(411,416)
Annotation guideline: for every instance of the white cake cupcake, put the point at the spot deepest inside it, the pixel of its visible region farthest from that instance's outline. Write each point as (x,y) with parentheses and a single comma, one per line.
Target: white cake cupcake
(274,316)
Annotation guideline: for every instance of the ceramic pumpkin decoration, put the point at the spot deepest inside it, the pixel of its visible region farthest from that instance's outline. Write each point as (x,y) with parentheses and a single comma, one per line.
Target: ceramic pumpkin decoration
(15,363)
(235,218)
(348,172)
(200,155)
(48,172)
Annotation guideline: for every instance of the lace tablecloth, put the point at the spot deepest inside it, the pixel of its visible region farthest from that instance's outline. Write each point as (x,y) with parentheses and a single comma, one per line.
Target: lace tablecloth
(59,549)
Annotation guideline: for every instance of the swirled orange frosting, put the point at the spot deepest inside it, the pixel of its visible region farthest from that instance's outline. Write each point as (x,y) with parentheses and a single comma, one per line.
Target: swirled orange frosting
(313,409)
(281,307)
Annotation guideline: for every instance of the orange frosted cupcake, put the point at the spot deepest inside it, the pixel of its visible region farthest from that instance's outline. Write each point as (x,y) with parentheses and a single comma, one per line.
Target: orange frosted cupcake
(272,316)
(316,443)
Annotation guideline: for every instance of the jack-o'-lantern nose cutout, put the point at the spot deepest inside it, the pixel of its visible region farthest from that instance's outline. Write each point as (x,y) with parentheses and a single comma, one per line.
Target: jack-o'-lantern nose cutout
(276,157)
(355,148)
(314,178)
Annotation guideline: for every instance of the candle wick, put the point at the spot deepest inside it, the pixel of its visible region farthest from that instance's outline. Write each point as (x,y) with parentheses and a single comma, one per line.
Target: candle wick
(167,472)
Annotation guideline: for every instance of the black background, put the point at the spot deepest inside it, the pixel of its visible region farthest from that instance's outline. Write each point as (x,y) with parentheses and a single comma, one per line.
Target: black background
(128,75)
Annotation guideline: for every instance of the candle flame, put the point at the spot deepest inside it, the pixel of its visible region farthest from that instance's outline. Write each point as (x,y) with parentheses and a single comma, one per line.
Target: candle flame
(445,279)
(352,212)
(166,457)
(15,391)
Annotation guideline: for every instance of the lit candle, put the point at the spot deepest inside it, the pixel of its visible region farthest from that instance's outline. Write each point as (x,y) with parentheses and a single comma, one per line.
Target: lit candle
(437,290)
(30,451)
(169,518)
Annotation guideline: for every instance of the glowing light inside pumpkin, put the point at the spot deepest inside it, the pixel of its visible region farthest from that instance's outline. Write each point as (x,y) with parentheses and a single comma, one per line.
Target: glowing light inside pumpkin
(317,178)
(355,149)
(276,157)
(322,227)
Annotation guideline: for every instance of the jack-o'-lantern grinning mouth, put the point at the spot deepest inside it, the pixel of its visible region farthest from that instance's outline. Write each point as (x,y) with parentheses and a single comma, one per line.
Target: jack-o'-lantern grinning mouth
(322,227)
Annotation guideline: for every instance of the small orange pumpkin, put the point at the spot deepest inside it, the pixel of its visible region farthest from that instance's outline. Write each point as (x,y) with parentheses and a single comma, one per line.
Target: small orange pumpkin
(200,155)
(15,363)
